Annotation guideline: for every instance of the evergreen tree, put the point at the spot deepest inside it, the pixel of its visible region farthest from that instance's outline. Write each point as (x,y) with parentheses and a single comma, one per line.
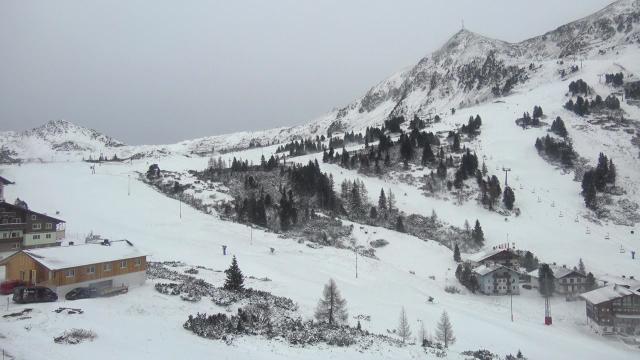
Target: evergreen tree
(373,213)
(442,170)
(477,234)
(382,201)
(235,279)
(332,308)
(404,329)
(484,169)
(391,201)
(545,280)
(400,224)
(456,142)
(456,254)
(444,331)
(590,282)
(494,189)
(558,127)
(508,197)
(581,267)
(427,155)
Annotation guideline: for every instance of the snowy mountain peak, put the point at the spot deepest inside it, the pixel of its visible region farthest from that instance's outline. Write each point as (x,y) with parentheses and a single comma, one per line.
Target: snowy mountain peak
(65,135)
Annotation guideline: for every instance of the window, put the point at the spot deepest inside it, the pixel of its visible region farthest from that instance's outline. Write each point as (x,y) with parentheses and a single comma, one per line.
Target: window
(48,236)
(106,267)
(16,220)
(14,234)
(15,246)
(5,221)
(91,269)
(33,217)
(138,262)
(36,237)
(37,226)
(70,273)
(48,226)
(123,264)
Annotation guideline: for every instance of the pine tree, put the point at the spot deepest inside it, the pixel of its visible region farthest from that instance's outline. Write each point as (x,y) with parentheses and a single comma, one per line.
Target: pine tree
(456,142)
(382,201)
(508,197)
(581,267)
(391,201)
(545,280)
(332,308)
(373,213)
(456,254)
(467,227)
(484,169)
(235,279)
(427,154)
(444,331)
(400,224)
(404,330)
(477,234)
(590,282)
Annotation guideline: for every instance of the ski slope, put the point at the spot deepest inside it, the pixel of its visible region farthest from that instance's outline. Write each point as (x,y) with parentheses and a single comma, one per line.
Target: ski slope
(146,323)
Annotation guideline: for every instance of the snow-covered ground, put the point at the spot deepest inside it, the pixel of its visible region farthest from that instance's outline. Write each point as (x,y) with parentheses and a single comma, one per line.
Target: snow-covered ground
(554,224)
(146,323)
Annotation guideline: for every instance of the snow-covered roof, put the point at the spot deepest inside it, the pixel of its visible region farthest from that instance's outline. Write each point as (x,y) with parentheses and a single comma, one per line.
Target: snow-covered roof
(483,270)
(607,293)
(63,257)
(560,271)
(483,255)
(4,181)
(625,281)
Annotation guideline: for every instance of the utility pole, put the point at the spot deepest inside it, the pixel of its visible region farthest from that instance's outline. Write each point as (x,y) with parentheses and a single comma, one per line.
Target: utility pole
(511,305)
(251,241)
(128,185)
(356,251)
(180,199)
(506,172)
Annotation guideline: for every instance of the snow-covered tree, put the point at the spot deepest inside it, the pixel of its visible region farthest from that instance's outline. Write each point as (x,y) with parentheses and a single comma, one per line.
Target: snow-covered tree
(456,254)
(404,330)
(332,308)
(444,330)
(477,234)
(382,201)
(235,279)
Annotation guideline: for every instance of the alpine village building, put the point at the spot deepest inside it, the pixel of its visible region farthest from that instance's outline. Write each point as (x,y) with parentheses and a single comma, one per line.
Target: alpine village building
(21,228)
(613,309)
(497,280)
(63,268)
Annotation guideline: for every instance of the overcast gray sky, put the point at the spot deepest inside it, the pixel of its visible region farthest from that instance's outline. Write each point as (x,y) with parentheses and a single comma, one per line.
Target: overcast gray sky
(159,71)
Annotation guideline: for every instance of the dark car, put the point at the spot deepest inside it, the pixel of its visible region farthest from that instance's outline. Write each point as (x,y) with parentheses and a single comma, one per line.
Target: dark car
(33,294)
(7,287)
(81,293)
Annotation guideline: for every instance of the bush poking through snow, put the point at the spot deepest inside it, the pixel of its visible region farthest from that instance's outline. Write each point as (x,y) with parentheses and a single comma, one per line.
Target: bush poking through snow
(75,336)
(379,243)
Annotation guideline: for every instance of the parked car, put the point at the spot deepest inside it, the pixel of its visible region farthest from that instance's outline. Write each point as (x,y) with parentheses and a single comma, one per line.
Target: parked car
(81,293)
(7,287)
(33,294)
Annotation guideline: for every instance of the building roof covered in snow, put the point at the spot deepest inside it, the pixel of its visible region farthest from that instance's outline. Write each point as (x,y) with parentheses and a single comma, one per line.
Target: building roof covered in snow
(483,270)
(559,272)
(64,257)
(491,254)
(5,181)
(626,281)
(607,293)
